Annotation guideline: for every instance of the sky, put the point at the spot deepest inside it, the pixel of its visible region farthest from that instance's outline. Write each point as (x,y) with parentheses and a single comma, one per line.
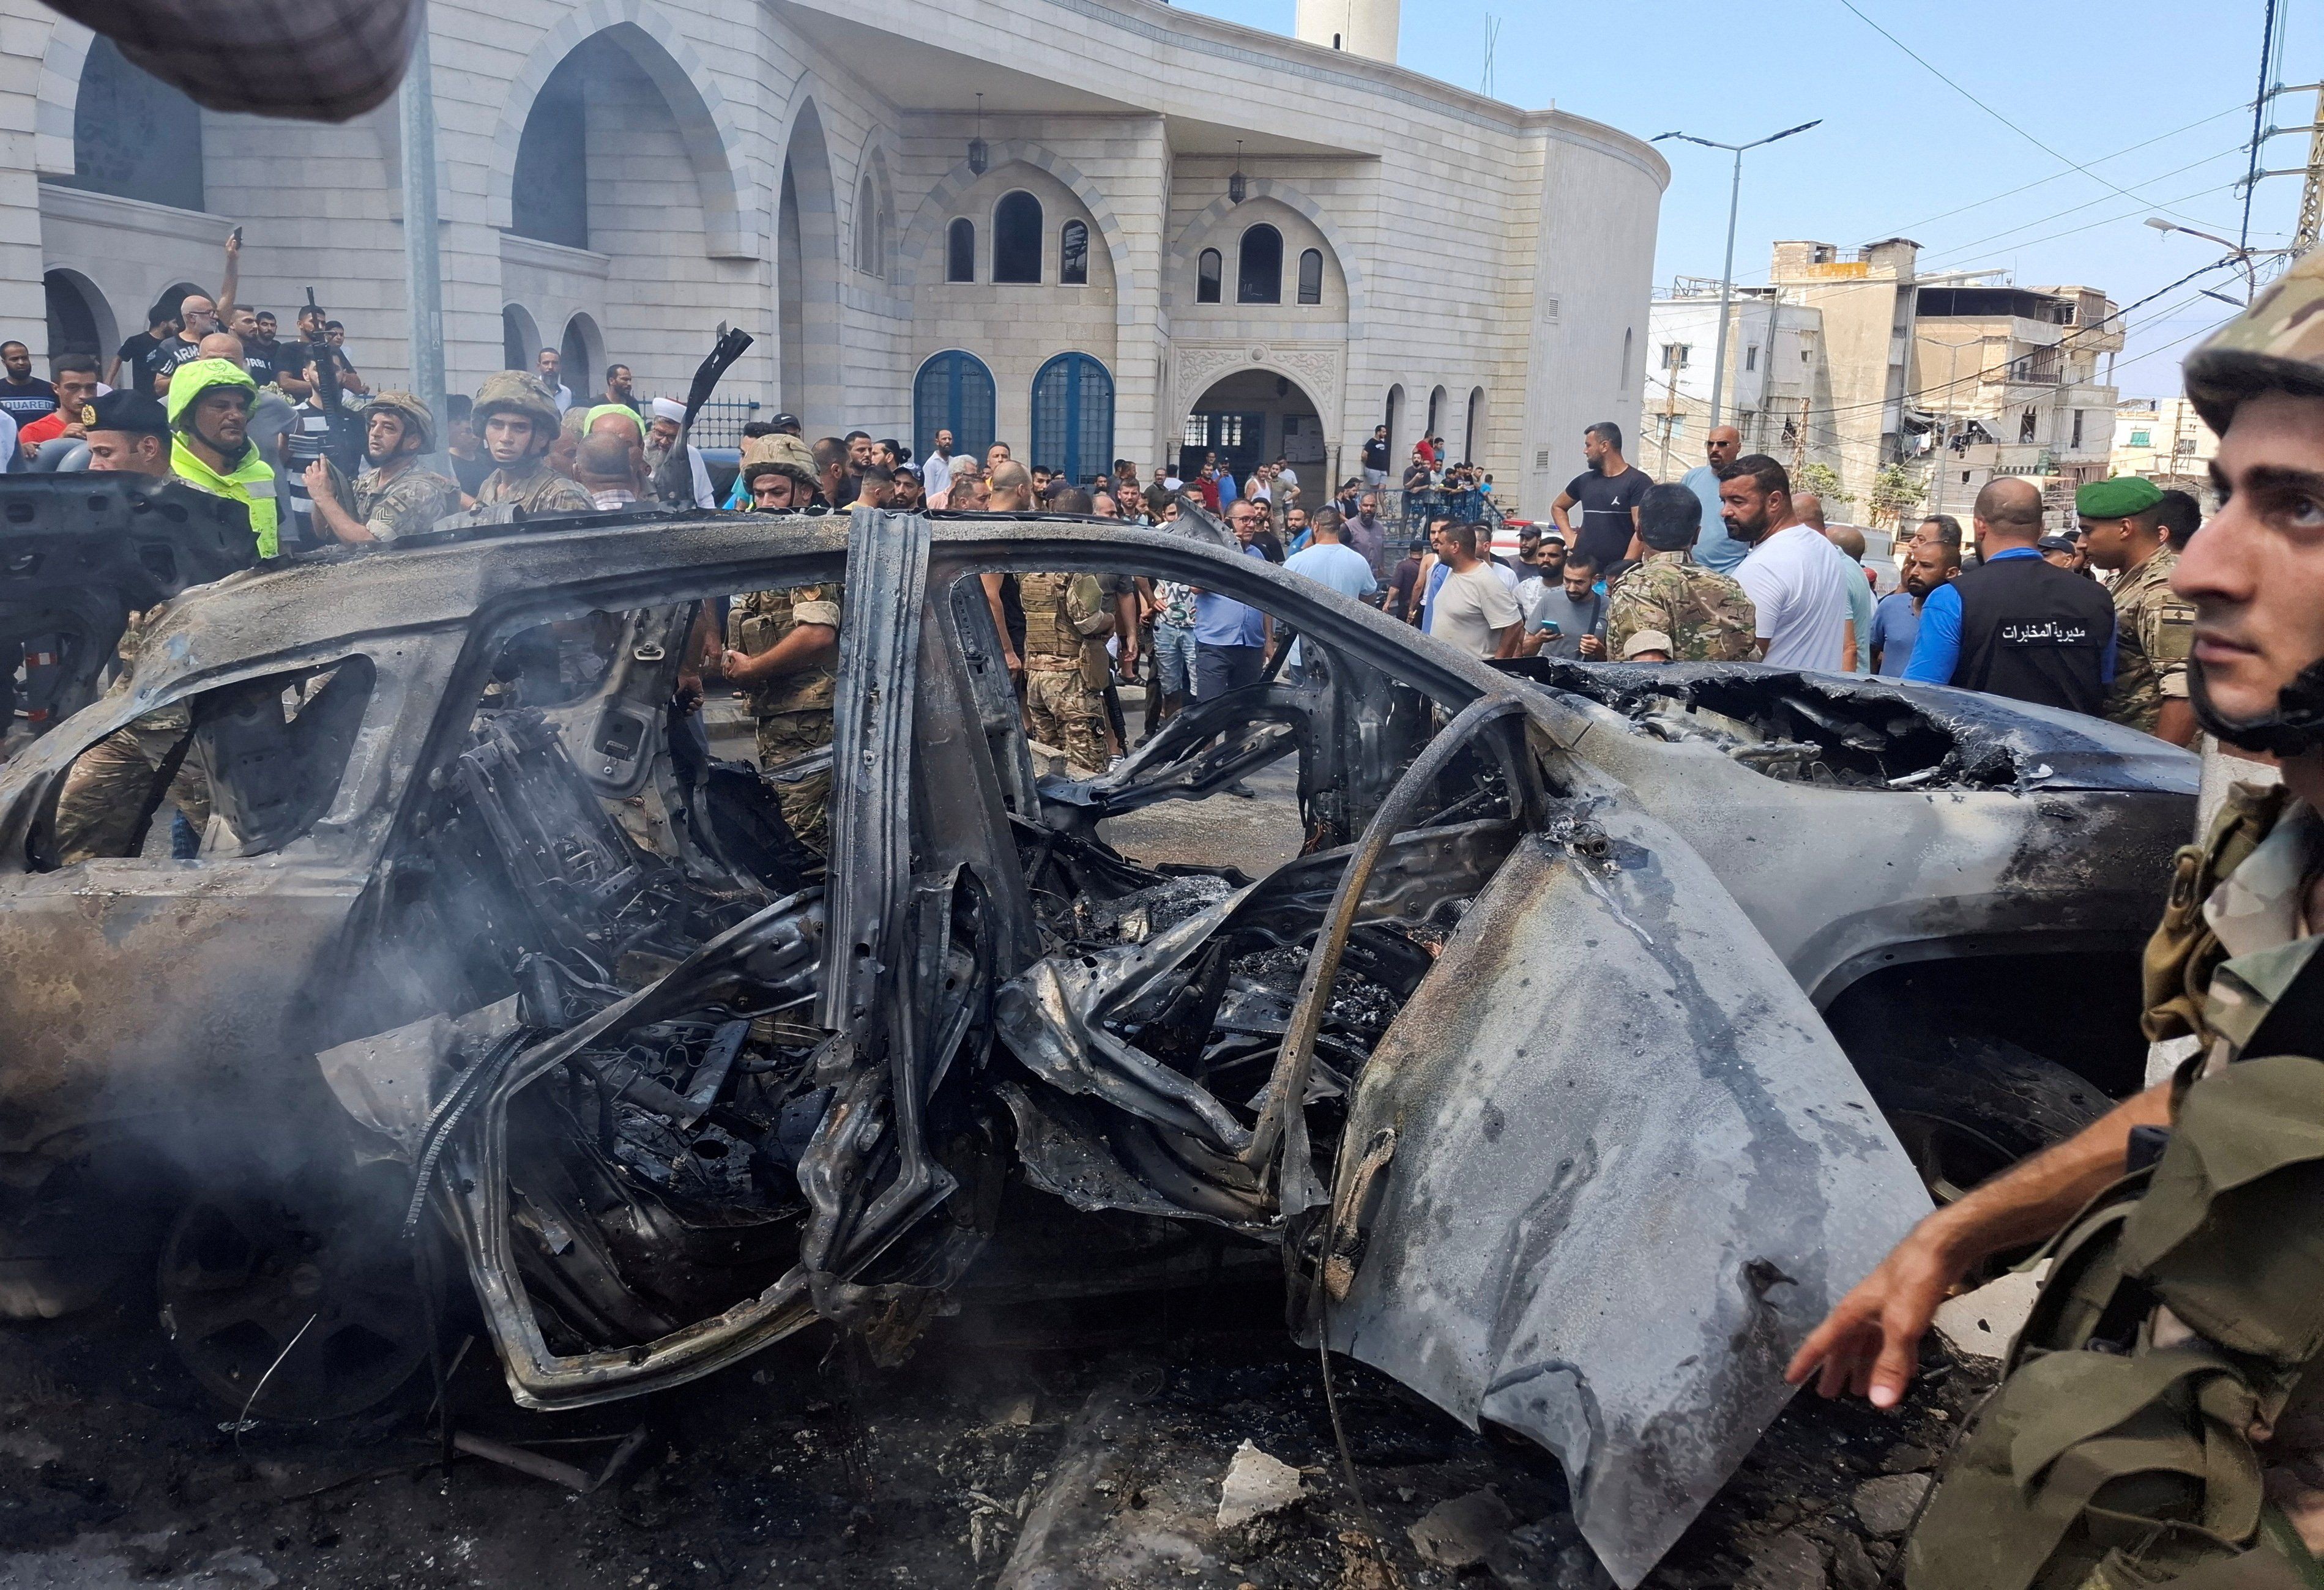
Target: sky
(2154,99)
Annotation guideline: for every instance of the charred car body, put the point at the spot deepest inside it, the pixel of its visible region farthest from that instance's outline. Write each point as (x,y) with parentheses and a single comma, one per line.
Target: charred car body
(485,935)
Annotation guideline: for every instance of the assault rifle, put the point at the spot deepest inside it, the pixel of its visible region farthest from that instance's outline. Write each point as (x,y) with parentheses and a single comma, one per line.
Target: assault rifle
(342,445)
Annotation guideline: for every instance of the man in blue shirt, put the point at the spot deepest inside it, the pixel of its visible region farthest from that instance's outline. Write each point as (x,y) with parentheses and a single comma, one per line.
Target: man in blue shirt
(2016,626)
(1230,636)
(1897,622)
(1329,561)
(1715,548)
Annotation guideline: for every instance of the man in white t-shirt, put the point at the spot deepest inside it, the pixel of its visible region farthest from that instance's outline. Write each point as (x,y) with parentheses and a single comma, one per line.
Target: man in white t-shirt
(1796,579)
(1473,612)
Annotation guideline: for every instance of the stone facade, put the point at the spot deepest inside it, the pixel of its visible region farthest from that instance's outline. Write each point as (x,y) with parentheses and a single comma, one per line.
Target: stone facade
(799,170)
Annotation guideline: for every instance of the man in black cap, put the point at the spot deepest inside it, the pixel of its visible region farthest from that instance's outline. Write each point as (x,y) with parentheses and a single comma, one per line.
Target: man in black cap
(2014,625)
(129,434)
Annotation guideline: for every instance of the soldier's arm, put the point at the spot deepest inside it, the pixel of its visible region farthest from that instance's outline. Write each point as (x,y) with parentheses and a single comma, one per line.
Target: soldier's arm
(1086,607)
(2170,636)
(1869,1343)
(806,646)
(325,499)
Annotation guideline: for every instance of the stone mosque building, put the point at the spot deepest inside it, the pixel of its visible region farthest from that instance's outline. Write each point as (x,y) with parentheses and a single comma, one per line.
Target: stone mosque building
(1092,228)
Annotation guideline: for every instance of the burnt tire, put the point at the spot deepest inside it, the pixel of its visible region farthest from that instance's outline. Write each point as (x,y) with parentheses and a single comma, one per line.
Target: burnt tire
(1968,1108)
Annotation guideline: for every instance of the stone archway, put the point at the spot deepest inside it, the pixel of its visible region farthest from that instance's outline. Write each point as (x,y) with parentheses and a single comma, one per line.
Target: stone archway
(1251,416)
(1318,370)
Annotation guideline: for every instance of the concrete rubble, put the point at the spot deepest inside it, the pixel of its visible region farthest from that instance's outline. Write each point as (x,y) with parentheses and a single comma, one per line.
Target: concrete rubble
(1256,1486)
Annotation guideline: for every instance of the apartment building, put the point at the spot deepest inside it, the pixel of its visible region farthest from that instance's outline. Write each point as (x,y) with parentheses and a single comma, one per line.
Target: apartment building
(2165,440)
(1777,381)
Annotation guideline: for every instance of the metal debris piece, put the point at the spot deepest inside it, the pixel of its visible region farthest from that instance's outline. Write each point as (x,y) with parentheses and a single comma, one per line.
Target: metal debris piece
(549,1469)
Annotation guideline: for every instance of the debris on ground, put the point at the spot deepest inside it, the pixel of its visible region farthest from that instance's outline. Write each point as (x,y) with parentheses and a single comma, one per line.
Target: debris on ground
(1465,1532)
(1256,1486)
(1787,1560)
(1886,1504)
(1983,1322)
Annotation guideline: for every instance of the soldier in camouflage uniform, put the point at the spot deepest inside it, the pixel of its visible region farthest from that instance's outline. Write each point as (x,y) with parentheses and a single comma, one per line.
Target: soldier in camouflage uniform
(1706,614)
(1067,617)
(782,648)
(394,497)
(2122,532)
(516,420)
(2161,1420)
(106,791)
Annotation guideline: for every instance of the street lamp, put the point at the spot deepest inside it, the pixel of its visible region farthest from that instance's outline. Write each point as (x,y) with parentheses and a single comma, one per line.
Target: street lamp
(1726,276)
(2235,251)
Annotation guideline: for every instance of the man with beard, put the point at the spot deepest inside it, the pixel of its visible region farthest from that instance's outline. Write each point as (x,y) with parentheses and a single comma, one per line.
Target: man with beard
(1795,578)
(515,420)
(1607,492)
(662,435)
(395,497)
(2123,534)
(209,416)
(1929,562)
(2159,1424)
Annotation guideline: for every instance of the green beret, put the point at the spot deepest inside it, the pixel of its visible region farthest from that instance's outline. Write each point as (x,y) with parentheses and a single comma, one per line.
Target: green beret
(2119,498)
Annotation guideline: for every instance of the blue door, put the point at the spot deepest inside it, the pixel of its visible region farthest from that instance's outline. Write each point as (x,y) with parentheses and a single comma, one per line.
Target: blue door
(954,392)
(1073,416)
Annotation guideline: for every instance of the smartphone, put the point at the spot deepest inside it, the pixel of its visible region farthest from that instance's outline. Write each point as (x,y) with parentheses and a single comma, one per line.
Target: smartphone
(238,237)
(1549,627)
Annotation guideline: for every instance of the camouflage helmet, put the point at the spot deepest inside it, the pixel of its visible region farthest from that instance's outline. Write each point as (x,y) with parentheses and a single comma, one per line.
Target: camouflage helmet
(785,455)
(408,408)
(520,392)
(2275,346)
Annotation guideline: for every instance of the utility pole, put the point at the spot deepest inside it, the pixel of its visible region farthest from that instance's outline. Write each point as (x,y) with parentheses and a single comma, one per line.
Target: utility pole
(423,273)
(2311,191)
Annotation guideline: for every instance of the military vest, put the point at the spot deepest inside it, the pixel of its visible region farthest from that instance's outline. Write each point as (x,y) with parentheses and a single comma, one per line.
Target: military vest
(2181,1319)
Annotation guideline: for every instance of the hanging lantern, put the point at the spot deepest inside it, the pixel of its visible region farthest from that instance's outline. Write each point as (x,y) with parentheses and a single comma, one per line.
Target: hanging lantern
(978,156)
(1235,186)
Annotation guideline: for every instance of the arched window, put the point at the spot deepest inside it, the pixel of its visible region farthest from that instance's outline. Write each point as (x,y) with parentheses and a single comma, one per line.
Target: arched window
(1435,413)
(1259,273)
(1472,442)
(871,234)
(1311,276)
(549,198)
(960,250)
(1016,237)
(133,134)
(1206,277)
(1073,254)
(1073,416)
(79,322)
(581,357)
(954,392)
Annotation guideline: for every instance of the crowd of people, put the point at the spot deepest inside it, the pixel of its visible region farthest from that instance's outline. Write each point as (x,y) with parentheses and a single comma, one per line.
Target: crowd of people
(1728,564)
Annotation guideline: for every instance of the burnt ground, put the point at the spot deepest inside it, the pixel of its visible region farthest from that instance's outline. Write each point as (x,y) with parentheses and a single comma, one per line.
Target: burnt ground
(808,1465)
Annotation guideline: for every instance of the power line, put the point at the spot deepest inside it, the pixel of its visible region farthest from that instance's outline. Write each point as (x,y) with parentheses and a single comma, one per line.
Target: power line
(2259,117)
(1906,229)
(1962,248)
(2054,153)
(2091,225)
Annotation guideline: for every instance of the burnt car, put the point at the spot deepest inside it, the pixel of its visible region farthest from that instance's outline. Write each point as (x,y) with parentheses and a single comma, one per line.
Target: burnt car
(1541,1066)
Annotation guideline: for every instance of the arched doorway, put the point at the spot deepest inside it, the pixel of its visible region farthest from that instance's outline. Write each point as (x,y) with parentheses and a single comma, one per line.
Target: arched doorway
(1255,417)
(580,356)
(78,320)
(1073,416)
(954,391)
(521,342)
(1436,427)
(1392,416)
(1472,439)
